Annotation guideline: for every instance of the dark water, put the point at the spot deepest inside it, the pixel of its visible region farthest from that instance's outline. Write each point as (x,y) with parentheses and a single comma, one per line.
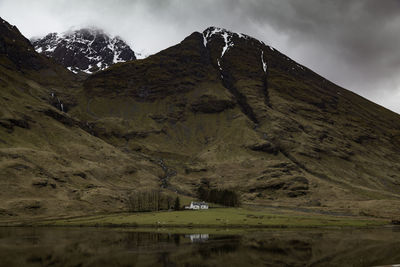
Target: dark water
(125,247)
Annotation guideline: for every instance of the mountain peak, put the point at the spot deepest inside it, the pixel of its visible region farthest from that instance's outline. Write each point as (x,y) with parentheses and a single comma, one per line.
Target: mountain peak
(230,38)
(85,50)
(213,30)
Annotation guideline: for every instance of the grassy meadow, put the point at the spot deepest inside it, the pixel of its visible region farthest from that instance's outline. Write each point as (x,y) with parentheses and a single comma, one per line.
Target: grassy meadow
(216,218)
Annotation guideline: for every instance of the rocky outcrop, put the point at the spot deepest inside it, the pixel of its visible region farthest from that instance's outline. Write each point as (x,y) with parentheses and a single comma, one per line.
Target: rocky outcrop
(265,147)
(211,104)
(289,187)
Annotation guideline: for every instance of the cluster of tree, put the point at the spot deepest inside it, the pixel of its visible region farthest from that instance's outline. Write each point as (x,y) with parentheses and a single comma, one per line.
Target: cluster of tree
(224,197)
(152,201)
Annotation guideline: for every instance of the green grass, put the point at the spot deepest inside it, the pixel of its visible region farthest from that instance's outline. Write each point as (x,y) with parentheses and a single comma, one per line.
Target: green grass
(215,218)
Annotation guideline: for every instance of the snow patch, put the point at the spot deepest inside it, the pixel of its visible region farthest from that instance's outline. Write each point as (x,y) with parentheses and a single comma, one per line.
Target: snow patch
(204,40)
(88,70)
(264,64)
(50,48)
(228,43)
(72,70)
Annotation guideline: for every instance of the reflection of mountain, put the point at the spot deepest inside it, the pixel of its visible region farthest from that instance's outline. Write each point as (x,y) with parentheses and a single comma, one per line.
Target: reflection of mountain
(110,247)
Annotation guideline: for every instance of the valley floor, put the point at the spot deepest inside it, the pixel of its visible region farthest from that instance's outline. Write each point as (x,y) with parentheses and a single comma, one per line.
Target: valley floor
(217,218)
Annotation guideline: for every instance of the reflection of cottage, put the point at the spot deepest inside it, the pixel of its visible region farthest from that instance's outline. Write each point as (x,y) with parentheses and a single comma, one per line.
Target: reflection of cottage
(198,237)
(198,206)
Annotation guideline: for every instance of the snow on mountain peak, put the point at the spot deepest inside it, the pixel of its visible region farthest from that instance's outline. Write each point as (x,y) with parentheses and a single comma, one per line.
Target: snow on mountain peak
(226,41)
(86,50)
(226,35)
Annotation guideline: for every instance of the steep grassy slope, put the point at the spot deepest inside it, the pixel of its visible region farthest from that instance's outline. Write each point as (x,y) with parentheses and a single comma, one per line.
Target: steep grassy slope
(50,164)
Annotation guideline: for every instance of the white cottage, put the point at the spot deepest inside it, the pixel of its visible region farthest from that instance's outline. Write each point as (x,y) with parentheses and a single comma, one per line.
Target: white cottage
(198,206)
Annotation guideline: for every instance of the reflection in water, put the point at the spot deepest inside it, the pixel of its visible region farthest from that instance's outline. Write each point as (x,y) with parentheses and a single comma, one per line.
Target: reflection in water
(197,237)
(125,247)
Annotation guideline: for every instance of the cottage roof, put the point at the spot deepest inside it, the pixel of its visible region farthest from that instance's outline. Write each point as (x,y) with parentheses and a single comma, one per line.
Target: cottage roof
(199,203)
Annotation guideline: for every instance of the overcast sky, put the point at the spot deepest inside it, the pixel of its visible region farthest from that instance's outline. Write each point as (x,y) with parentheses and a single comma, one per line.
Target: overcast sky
(354,43)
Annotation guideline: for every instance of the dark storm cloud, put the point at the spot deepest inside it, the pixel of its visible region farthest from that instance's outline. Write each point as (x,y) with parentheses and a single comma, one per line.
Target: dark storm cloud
(355,43)
(351,42)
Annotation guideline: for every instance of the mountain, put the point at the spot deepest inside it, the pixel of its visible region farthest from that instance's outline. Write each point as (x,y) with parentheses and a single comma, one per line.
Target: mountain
(18,55)
(219,108)
(84,50)
(50,163)
(226,108)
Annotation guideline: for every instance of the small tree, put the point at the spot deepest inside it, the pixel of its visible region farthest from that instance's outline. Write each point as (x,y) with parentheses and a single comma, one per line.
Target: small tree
(177,205)
(169,202)
(226,197)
